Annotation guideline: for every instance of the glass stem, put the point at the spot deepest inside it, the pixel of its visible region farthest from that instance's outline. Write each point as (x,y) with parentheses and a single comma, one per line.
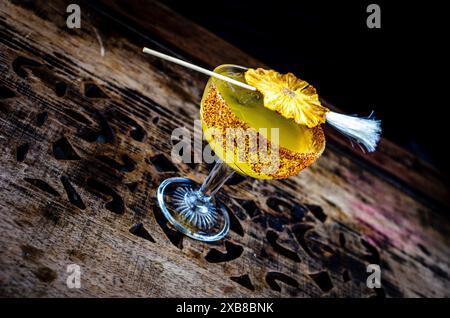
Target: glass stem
(216,178)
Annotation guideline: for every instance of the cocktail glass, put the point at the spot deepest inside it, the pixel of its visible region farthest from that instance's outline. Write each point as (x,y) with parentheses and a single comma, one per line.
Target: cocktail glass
(246,137)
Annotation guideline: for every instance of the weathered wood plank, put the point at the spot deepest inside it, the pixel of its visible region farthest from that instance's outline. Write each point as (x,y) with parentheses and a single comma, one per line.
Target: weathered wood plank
(86,141)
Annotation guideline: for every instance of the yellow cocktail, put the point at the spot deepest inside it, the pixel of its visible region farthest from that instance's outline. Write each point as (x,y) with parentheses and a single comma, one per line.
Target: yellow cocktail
(266,144)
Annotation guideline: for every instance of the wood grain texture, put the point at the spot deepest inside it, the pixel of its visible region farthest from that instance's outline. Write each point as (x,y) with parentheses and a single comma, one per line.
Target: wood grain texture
(86,141)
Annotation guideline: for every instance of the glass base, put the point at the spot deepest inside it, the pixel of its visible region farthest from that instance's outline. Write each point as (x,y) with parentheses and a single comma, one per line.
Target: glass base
(192,212)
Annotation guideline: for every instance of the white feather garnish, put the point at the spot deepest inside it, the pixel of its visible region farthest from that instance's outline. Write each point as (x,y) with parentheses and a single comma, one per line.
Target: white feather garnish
(365,131)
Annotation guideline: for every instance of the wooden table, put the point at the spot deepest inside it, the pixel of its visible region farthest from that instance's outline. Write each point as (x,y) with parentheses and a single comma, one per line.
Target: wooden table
(85,132)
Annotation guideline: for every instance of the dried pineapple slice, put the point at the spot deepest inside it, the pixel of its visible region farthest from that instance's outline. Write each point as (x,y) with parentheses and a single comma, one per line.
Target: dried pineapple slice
(288,95)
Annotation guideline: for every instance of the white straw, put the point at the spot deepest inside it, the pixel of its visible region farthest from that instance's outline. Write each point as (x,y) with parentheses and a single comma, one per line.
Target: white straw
(196,68)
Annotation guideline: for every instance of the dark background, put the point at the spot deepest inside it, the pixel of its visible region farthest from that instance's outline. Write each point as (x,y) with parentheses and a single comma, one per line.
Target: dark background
(395,70)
